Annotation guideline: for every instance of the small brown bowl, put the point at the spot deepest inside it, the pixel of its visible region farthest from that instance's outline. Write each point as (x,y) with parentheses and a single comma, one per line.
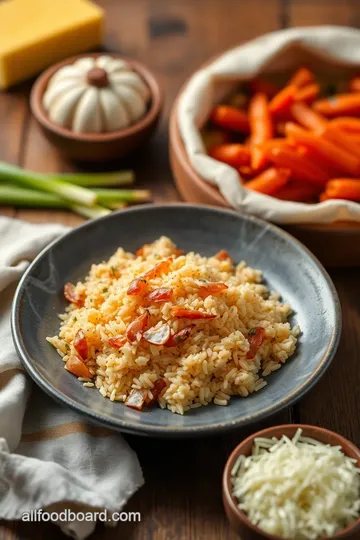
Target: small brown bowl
(239,520)
(97,147)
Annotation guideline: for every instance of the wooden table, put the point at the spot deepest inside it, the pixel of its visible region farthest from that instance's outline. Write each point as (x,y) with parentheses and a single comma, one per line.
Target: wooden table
(181,499)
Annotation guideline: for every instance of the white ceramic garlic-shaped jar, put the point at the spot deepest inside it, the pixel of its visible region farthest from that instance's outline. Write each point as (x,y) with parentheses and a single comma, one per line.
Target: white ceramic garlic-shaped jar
(96,95)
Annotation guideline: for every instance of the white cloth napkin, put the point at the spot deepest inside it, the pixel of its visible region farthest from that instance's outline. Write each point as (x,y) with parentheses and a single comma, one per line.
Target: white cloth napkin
(324,48)
(49,457)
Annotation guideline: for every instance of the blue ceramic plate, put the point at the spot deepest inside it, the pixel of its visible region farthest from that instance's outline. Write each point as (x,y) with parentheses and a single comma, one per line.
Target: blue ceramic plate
(288,268)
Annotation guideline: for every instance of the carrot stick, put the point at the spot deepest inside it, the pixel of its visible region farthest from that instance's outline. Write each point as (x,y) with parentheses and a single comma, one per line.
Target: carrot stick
(298,192)
(302,168)
(339,105)
(308,93)
(263,86)
(341,139)
(261,129)
(283,99)
(230,118)
(307,117)
(269,181)
(352,137)
(337,157)
(277,143)
(246,171)
(234,154)
(324,197)
(302,77)
(354,84)
(350,124)
(329,170)
(344,188)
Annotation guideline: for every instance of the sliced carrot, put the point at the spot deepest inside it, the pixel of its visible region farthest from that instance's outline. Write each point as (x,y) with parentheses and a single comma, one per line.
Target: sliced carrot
(162,294)
(179,337)
(261,129)
(353,137)
(339,105)
(230,118)
(77,367)
(138,287)
(136,328)
(327,168)
(72,296)
(270,181)
(337,157)
(354,84)
(283,100)
(298,192)
(278,143)
(159,269)
(307,117)
(184,313)
(350,124)
(210,288)
(256,338)
(323,197)
(178,252)
(302,77)
(246,172)
(344,188)
(117,342)
(222,255)
(343,140)
(308,93)
(302,168)
(157,389)
(263,86)
(81,345)
(235,155)
(140,252)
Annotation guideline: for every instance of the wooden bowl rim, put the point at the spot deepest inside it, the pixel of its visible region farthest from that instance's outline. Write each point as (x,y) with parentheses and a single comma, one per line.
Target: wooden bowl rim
(349,449)
(156,101)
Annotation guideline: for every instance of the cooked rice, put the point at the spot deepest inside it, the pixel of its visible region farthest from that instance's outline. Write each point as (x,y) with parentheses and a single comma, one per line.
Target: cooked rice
(212,364)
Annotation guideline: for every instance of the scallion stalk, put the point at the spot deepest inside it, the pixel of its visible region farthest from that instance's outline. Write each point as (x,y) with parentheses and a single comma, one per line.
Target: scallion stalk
(106,179)
(114,196)
(70,192)
(20,197)
(92,212)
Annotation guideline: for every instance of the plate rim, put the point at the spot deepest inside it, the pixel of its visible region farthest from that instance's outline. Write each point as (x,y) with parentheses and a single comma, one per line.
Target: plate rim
(174,431)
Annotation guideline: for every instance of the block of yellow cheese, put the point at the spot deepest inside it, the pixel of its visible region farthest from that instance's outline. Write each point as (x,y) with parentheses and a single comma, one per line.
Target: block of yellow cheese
(37,33)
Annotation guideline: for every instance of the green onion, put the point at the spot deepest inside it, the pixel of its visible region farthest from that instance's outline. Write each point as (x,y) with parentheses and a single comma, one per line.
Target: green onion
(70,192)
(28,198)
(93,212)
(112,197)
(108,179)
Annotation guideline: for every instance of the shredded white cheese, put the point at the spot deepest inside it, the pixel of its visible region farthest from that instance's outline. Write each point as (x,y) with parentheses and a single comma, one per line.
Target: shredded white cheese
(299,488)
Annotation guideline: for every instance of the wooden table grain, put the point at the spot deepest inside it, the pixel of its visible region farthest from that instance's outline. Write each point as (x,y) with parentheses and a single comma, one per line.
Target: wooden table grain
(181,499)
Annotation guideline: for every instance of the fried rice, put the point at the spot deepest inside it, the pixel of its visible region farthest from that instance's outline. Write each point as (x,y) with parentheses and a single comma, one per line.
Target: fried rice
(193,331)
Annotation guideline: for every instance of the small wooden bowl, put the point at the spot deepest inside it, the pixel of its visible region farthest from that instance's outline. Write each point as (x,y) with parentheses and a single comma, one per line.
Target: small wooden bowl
(336,244)
(97,147)
(239,520)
